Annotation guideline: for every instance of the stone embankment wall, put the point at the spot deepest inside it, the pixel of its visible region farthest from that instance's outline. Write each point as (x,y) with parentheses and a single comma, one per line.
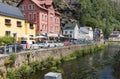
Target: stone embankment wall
(43,54)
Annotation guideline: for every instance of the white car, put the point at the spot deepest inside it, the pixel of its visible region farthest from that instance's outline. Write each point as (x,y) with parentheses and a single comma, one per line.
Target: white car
(49,44)
(59,44)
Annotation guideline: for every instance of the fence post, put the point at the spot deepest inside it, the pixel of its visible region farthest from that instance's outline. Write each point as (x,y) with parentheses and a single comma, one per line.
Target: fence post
(4,49)
(15,48)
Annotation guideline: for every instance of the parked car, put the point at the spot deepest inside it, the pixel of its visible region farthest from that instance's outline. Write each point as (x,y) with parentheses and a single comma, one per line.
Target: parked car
(58,44)
(15,47)
(49,44)
(67,43)
(41,44)
(4,49)
(27,44)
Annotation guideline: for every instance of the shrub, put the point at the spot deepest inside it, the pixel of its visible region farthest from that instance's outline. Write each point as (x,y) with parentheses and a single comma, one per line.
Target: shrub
(7,40)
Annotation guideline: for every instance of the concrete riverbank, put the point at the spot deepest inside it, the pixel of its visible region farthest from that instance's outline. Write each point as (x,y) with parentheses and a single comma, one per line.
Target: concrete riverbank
(56,53)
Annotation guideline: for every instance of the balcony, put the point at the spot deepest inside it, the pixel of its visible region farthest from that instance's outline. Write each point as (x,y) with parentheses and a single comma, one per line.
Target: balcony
(19,25)
(8,24)
(31,27)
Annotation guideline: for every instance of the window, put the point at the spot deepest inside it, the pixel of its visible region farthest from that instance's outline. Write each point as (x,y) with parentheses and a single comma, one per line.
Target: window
(43,27)
(30,16)
(51,11)
(51,29)
(24,14)
(19,24)
(45,17)
(31,7)
(7,33)
(15,35)
(31,26)
(21,7)
(51,19)
(24,7)
(56,20)
(65,32)
(71,36)
(42,17)
(35,16)
(8,22)
(71,32)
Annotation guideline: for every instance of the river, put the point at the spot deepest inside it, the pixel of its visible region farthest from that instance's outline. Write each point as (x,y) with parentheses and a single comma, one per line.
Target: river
(94,66)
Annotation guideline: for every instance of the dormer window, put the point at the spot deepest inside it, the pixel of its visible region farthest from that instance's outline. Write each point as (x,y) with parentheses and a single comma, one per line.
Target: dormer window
(8,22)
(31,7)
(51,11)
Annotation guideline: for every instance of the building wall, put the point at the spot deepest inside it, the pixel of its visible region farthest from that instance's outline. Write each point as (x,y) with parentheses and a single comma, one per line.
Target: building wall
(14,29)
(57,24)
(32,15)
(76,32)
(90,33)
(30,31)
(68,33)
(43,19)
(43,26)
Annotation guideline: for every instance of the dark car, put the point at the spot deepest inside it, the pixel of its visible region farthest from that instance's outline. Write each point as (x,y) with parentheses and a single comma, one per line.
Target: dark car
(4,49)
(15,47)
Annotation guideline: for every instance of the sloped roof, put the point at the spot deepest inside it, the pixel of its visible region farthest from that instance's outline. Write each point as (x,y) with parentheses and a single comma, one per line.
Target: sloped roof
(70,25)
(11,11)
(34,1)
(47,2)
(84,29)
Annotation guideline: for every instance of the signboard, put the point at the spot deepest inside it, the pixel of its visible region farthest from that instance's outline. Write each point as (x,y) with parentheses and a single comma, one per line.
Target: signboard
(58,35)
(46,34)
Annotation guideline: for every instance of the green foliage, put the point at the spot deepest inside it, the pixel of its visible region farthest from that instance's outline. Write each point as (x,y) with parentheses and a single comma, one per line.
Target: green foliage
(13,57)
(28,57)
(25,71)
(12,74)
(35,66)
(7,40)
(95,13)
(2,72)
(10,61)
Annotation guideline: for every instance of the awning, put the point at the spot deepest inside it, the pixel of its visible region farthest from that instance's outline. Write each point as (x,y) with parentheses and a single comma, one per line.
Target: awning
(40,37)
(55,35)
(26,36)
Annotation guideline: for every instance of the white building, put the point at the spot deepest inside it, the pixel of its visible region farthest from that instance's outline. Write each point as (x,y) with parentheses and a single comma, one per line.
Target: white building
(86,33)
(71,30)
(115,36)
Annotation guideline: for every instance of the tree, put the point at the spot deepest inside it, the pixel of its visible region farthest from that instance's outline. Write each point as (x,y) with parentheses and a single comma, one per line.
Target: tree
(7,40)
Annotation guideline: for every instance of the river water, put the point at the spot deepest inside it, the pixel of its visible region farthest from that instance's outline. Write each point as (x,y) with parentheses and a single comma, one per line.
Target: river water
(95,66)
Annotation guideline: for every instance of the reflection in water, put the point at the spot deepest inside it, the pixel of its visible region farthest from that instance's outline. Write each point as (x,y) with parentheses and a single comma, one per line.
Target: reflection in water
(95,66)
(91,61)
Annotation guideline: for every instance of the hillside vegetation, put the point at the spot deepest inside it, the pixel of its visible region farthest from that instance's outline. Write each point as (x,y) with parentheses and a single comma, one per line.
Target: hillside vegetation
(103,14)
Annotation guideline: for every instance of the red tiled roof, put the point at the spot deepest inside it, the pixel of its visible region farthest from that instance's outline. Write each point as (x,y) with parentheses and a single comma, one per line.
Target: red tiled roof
(36,2)
(39,3)
(47,2)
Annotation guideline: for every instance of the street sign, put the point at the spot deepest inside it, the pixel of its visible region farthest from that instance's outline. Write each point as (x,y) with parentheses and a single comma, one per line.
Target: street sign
(46,34)
(58,35)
